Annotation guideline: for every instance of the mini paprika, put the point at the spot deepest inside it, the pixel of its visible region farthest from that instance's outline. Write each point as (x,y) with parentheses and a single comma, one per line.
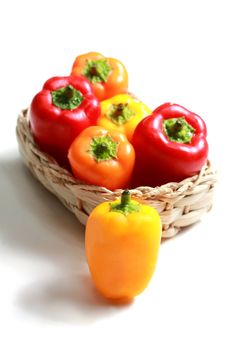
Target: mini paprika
(108,76)
(170,145)
(60,111)
(123,113)
(122,241)
(102,157)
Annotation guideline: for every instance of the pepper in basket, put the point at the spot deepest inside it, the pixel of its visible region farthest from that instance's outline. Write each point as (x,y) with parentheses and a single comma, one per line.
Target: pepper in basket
(170,145)
(60,111)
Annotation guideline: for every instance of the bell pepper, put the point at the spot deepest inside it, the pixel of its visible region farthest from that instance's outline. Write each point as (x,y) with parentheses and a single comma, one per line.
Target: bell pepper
(170,145)
(108,76)
(122,113)
(102,157)
(122,241)
(60,111)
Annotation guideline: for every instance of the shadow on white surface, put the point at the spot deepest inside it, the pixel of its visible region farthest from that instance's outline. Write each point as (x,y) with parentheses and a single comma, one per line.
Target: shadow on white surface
(33,222)
(69,299)
(34,226)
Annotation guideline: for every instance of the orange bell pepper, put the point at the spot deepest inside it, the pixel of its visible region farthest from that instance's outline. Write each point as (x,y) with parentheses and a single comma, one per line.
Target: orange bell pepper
(122,241)
(102,157)
(123,113)
(108,76)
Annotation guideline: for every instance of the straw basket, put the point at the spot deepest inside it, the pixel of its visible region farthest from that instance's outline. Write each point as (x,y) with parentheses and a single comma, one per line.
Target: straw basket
(179,204)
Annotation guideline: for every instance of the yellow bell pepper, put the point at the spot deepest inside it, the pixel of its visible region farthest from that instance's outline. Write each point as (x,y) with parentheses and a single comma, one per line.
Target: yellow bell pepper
(122,242)
(123,113)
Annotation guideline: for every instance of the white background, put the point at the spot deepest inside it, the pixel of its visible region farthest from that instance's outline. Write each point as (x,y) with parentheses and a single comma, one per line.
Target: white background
(178,51)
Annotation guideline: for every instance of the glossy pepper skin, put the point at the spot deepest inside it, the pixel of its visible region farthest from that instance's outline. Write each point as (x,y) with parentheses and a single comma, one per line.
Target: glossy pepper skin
(60,111)
(161,159)
(108,76)
(123,113)
(122,241)
(102,157)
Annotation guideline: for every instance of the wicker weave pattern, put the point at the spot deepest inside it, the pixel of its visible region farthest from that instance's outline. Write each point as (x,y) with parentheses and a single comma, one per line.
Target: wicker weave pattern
(179,204)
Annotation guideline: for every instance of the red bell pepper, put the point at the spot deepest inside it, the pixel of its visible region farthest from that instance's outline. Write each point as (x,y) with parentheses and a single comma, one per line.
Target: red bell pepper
(58,113)
(170,145)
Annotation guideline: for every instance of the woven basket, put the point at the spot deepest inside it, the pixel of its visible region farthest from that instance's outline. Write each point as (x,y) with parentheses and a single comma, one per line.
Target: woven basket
(179,204)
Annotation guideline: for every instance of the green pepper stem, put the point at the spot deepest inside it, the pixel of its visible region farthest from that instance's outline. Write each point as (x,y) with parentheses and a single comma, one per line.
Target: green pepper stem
(119,110)
(93,70)
(125,206)
(177,126)
(103,148)
(67,97)
(120,113)
(125,198)
(97,71)
(178,130)
(68,92)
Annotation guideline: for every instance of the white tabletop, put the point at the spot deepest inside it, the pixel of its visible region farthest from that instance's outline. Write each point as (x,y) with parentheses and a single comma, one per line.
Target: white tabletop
(175,51)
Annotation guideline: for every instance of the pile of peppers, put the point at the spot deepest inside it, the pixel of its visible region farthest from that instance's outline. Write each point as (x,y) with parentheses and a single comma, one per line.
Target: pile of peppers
(92,125)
